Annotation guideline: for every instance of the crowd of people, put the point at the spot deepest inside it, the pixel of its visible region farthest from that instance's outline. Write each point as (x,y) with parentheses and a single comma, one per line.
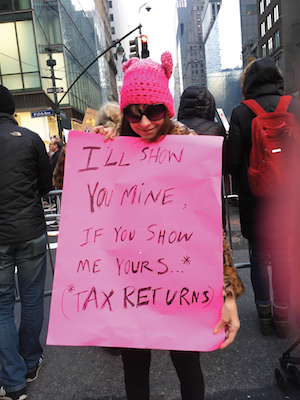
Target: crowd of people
(146,111)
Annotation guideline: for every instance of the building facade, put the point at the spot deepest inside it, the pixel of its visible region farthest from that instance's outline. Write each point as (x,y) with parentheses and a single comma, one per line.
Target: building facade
(223,57)
(190,42)
(249,29)
(36,32)
(279,38)
(119,28)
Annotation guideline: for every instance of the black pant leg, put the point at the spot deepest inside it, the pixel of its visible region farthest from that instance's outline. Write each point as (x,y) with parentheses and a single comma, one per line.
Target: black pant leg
(187,365)
(136,364)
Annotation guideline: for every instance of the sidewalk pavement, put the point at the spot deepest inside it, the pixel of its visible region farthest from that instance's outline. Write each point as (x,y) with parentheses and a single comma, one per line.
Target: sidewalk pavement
(244,370)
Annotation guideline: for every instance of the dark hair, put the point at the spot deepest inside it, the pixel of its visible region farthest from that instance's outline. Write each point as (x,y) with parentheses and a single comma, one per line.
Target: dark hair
(58,142)
(166,128)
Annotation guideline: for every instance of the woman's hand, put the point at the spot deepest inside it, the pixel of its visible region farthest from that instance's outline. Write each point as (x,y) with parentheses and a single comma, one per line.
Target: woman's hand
(230,320)
(110,133)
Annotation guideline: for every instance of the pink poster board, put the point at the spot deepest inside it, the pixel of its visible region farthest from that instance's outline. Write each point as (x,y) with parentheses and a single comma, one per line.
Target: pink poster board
(139,260)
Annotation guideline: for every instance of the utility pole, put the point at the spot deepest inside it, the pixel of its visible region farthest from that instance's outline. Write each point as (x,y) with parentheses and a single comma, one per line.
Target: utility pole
(51,63)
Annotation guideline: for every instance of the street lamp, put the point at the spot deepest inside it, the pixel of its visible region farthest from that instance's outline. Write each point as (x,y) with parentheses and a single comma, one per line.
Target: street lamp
(148,8)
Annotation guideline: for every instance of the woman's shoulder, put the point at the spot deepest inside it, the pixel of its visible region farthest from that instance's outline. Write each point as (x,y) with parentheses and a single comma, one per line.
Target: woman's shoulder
(180,129)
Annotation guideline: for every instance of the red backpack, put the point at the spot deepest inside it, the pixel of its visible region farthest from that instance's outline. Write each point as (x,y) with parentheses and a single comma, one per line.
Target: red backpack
(275,148)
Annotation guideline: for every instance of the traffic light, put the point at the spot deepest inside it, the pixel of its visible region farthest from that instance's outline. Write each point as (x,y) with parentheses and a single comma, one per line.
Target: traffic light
(134,48)
(145,52)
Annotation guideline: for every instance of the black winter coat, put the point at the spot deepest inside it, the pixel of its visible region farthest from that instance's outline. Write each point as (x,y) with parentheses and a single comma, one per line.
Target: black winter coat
(197,111)
(24,177)
(263,82)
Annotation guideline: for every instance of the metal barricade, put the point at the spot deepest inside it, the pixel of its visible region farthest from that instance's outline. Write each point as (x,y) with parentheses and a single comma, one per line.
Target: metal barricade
(52,213)
(228,193)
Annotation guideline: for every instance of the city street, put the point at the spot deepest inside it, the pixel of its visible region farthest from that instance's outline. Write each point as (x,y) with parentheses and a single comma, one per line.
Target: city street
(245,370)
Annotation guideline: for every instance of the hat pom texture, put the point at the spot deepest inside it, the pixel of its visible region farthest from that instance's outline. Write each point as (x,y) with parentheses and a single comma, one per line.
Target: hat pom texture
(147,82)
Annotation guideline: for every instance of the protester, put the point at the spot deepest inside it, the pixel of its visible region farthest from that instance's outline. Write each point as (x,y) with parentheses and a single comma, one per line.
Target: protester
(263,219)
(109,115)
(25,176)
(148,107)
(55,147)
(197,111)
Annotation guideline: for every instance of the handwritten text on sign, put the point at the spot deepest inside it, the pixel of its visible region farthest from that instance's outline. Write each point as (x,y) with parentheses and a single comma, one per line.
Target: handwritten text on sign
(139,260)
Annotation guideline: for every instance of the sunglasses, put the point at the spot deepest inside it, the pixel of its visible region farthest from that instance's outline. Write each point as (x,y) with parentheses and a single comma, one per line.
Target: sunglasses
(153,112)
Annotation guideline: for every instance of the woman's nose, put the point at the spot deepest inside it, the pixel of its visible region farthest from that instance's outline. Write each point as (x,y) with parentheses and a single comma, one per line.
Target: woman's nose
(144,121)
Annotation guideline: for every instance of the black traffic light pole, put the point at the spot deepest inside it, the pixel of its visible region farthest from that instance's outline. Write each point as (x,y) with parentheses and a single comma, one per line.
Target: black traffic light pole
(100,55)
(51,63)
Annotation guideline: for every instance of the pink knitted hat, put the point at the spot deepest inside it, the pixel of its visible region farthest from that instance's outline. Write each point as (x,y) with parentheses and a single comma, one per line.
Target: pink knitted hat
(147,82)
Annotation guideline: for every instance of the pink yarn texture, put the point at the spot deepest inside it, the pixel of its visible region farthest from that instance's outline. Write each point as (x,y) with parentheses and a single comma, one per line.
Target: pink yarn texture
(147,82)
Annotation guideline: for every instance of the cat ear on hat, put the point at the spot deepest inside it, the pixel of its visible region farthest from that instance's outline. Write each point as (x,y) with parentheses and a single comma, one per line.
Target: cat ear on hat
(167,63)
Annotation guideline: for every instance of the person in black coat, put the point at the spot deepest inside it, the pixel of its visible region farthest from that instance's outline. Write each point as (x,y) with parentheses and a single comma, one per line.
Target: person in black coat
(197,111)
(262,81)
(25,176)
(55,147)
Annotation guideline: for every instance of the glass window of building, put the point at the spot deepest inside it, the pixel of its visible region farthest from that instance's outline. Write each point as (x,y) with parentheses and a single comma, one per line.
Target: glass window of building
(276,13)
(263,29)
(277,39)
(251,9)
(264,50)
(181,29)
(111,16)
(262,6)
(16,5)
(18,57)
(113,30)
(110,4)
(269,21)
(279,62)
(270,45)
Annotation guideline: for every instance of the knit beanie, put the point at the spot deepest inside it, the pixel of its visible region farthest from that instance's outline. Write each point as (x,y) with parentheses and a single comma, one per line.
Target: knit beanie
(7,102)
(147,82)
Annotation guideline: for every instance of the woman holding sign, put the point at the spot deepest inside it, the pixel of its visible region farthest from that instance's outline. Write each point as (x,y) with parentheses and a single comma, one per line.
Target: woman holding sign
(147,106)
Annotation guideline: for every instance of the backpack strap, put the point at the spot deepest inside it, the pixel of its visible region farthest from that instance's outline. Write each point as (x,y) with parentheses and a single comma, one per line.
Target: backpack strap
(254,106)
(283,104)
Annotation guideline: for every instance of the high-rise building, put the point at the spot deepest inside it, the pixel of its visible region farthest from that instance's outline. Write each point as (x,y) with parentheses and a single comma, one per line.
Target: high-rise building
(249,28)
(190,42)
(66,35)
(119,28)
(279,33)
(223,56)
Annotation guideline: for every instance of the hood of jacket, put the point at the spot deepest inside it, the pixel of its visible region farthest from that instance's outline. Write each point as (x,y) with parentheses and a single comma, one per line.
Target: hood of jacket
(262,77)
(196,102)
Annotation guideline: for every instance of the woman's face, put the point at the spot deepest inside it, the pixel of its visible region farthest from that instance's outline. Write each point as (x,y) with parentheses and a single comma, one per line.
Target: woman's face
(145,128)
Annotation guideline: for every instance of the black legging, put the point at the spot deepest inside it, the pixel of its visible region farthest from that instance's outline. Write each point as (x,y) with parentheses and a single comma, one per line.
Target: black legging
(187,364)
